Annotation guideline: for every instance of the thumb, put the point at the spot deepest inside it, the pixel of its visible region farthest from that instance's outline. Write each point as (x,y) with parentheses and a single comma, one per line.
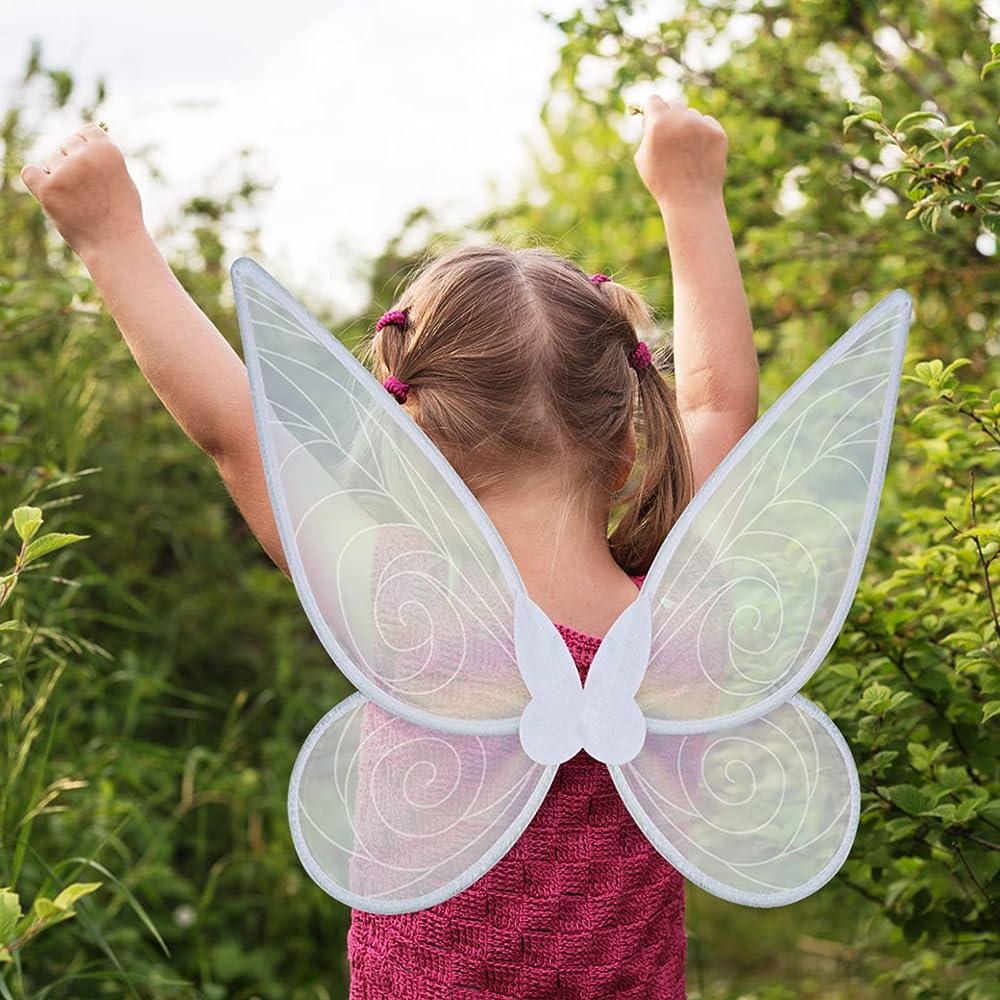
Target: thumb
(654,103)
(32,177)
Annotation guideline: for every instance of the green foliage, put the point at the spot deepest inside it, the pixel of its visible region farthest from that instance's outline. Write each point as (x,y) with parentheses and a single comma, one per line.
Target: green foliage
(934,173)
(922,646)
(17,928)
(157,676)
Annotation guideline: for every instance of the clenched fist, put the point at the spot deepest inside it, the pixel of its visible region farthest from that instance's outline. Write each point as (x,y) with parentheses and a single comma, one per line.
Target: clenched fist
(86,190)
(682,153)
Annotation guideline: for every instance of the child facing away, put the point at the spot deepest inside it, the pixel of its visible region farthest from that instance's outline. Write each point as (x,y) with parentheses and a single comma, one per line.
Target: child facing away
(531,378)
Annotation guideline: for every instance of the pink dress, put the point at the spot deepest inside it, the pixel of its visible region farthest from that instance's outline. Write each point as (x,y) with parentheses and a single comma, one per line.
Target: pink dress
(581,908)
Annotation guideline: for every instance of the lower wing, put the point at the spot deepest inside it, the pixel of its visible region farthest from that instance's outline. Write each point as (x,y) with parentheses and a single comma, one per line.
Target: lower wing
(389,817)
(762,814)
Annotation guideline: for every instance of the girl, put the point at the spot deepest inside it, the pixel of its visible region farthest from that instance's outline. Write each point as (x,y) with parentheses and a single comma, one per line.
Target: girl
(536,384)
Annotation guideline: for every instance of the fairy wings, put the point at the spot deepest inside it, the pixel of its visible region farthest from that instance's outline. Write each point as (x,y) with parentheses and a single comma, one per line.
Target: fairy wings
(468,698)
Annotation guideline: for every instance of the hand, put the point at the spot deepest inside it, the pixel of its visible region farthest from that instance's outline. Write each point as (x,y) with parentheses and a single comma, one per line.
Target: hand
(85,189)
(682,154)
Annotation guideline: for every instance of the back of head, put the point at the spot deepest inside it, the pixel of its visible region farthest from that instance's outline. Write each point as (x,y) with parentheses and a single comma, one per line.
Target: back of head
(515,359)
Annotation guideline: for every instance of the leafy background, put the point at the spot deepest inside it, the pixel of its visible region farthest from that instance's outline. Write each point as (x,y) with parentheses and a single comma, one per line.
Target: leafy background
(158,676)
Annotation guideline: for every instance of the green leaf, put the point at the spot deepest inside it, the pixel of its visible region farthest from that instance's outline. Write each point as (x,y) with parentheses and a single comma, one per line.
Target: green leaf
(992,222)
(891,175)
(866,104)
(915,116)
(953,130)
(944,812)
(49,543)
(991,811)
(990,709)
(956,364)
(967,810)
(27,521)
(883,759)
(932,126)
(909,798)
(876,699)
(984,533)
(43,912)
(900,698)
(929,370)
(969,140)
(73,892)
(10,914)
(963,640)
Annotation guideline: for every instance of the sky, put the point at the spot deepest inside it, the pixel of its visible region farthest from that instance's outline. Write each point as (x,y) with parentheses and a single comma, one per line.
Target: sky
(357,110)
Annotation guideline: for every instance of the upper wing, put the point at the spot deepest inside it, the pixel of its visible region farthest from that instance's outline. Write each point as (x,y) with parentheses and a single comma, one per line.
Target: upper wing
(403,576)
(753,582)
(390,817)
(761,814)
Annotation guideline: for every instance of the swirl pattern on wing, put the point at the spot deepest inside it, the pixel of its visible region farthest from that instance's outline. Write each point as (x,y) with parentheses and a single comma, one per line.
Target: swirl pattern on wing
(402,575)
(753,582)
(391,817)
(761,814)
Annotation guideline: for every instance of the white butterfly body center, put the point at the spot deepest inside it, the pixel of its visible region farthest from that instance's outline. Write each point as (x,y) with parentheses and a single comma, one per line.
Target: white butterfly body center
(563,716)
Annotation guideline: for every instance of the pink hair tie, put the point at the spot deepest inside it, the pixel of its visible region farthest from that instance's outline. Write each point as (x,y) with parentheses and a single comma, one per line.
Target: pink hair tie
(394,317)
(397,387)
(599,279)
(639,357)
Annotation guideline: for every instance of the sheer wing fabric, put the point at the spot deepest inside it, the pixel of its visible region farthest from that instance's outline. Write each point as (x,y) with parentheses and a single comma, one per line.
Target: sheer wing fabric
(391,817)
(744,786)
(402,575)
(761,814)
(753,583)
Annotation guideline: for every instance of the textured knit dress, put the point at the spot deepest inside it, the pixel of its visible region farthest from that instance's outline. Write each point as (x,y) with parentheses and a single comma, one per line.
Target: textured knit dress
(581,908)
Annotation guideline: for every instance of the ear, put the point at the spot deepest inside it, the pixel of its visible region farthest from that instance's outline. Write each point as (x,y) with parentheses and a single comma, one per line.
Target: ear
(627,461)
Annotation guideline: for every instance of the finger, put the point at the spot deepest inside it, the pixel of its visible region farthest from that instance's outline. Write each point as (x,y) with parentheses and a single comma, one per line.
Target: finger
(71,142)
(32,176)
(715,121)
(676,103)
(92,131)
(53,159)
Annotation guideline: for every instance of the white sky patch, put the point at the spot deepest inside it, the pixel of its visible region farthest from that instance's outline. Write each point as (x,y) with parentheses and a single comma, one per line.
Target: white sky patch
(358,111)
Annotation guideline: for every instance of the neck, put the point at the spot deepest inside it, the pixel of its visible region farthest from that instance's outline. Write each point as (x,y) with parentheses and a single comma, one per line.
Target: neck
(557,537)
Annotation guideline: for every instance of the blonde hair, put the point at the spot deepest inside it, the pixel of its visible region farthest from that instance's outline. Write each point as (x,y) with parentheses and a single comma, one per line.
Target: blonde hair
(515,356)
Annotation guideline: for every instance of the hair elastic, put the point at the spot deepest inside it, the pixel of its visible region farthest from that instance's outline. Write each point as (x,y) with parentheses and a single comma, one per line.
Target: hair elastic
(397,387)
(640,357)
(394,317)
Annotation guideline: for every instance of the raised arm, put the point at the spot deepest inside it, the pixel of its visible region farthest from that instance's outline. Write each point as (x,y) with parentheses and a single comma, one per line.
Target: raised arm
(682,162)
(86,191)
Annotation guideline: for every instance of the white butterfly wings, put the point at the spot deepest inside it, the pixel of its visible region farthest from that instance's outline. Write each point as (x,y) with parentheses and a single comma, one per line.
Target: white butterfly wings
(748,594)
(411,790)
(398,802)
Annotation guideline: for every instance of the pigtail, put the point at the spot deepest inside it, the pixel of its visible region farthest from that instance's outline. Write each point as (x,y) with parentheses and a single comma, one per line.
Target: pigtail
(665,480)
(385,351)
(662,481)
